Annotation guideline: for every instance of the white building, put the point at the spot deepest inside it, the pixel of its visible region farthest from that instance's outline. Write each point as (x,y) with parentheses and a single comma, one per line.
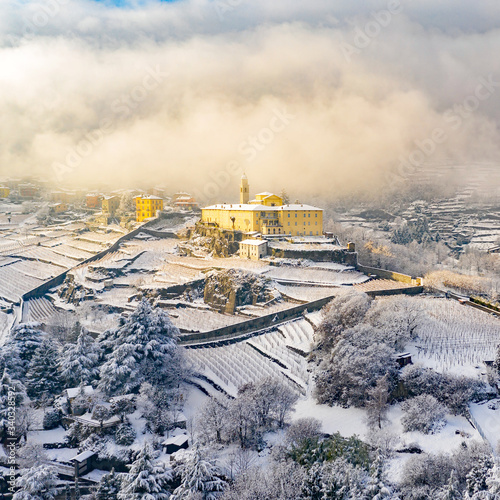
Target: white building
(253,249)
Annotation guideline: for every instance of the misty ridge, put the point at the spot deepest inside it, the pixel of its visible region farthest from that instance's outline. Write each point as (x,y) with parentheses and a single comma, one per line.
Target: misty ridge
(192,93)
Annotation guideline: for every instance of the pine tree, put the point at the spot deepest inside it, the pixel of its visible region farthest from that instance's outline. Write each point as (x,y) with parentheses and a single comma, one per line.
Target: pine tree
(146,478)
(109,487)
(37,483)
(145,349)
(476,478)
(11,362)
(199,475)
(79,363)
(43,376)
(25,338)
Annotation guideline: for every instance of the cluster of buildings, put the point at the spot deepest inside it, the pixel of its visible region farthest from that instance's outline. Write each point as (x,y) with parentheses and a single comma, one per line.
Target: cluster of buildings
(263,218)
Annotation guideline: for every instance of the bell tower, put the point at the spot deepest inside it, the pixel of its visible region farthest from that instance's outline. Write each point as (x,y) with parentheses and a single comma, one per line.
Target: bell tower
(244,190)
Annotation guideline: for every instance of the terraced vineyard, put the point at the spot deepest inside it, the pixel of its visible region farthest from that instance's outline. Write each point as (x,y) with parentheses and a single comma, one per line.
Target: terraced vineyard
(272,354)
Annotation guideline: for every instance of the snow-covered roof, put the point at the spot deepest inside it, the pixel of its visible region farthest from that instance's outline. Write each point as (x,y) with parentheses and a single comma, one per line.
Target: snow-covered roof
(176,440)
(74,391)
(298,207)
(83,456)
(266,193)
(237,206)
(256,243)
(259,208)
(148,197)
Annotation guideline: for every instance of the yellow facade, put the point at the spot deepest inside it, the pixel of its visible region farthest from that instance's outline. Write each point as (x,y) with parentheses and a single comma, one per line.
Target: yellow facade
(110,205)
(267,215)
(147,207)
(4,192)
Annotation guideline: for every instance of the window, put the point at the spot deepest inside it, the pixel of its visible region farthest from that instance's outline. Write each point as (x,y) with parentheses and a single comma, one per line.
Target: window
(315,215)
(288,214)
(288,223)
(309,223)
(295,214)
(309,214)
(295,223)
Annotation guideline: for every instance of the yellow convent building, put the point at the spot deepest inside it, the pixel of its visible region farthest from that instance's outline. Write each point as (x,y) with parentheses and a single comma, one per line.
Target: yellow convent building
(147,207)
(265,214)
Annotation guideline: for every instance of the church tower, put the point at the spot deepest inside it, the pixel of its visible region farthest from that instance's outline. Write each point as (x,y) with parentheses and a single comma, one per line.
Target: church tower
(244,190)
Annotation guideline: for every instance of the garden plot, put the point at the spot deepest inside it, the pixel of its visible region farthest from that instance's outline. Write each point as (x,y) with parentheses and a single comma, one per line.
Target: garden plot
(306,293)
(314,276)
(201,320)
(117,297)
(455,337)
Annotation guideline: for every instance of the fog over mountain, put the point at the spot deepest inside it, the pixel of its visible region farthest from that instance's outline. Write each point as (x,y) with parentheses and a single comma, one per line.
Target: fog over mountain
(191,93)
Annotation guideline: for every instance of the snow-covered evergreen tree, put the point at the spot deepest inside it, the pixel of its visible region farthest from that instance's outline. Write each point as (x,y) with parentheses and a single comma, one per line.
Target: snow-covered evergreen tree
(145,350)
(199,475)
(79,363)
(109,487)
(476,478)
(23,341)
(11,361)
(43,376)
(37,483)
(146,479)
(450,491)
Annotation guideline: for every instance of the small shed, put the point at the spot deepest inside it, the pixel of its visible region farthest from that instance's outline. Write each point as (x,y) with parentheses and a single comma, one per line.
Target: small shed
(253,249)
(84,462)
(176,443)
(403,359)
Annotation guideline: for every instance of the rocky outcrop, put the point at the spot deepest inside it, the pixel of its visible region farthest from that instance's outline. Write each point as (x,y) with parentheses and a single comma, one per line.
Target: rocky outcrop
(227,290)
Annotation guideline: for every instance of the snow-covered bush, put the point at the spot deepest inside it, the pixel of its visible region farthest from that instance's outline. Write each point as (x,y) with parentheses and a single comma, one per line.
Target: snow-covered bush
(346,310)
(51,419)
(303,429)
(427,470)
(356,363)
(455,392)
(423,413)
(125,435)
